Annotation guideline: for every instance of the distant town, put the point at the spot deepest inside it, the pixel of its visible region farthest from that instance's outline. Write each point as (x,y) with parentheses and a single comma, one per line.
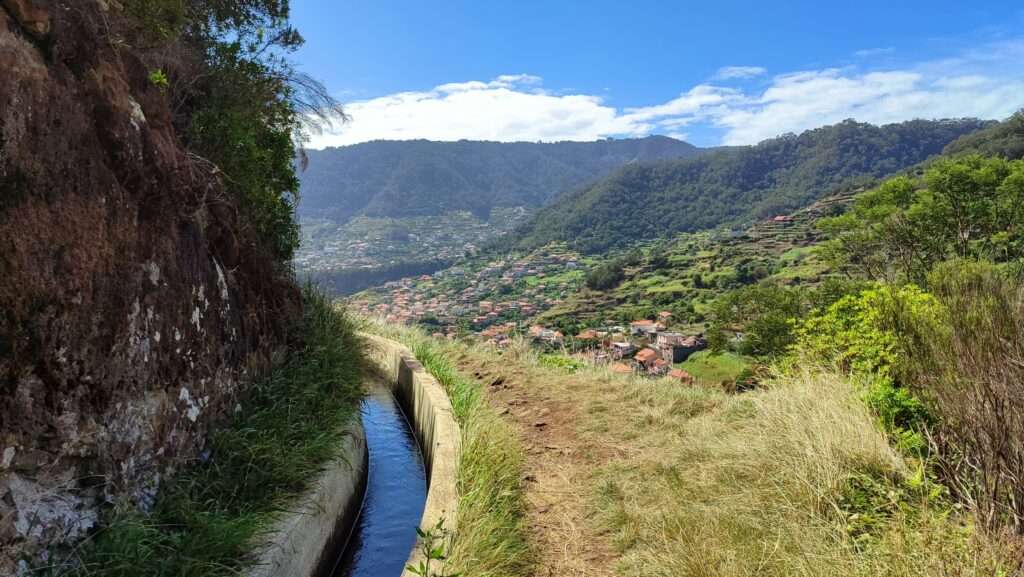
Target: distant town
(373,243)
(502,300)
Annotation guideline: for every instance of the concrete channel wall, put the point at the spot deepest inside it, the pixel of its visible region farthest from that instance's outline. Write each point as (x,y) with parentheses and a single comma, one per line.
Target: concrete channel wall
(307,542)
(430,412)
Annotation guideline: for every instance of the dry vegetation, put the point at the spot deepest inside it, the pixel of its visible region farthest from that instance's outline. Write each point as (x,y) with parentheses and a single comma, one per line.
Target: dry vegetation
(796,478)
(793,480)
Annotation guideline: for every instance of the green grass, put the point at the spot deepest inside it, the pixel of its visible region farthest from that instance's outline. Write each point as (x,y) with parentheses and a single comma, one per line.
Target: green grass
(569,276)
(207,518)
(673,286)
(806,270)
(491,539)
(796,254)
(712,368)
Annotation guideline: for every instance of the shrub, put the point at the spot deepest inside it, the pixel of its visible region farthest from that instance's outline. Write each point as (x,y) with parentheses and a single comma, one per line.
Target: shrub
(972,373)
(870,336)
(561,362)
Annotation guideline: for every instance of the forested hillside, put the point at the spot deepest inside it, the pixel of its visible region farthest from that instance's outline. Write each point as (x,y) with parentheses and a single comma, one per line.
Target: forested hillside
(421,178)
(647,200)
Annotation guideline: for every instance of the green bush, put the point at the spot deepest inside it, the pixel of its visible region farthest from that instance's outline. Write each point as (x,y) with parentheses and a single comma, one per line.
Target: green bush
(869,336)
(561,362)
(608,275)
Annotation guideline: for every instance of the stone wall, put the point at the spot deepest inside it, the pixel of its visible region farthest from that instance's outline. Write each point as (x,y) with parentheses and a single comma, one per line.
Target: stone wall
(132,310)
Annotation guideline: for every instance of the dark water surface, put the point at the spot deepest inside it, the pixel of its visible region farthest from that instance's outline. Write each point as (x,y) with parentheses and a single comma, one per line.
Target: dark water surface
(395,492)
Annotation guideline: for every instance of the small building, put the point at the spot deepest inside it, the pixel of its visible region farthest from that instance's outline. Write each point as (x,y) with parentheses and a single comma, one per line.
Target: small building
(659,367)
(539,333)
(644,327)
(622,349)
(647,357)
(676,347)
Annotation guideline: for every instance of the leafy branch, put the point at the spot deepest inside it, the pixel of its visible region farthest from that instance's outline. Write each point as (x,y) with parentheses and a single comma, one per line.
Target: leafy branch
(432,543)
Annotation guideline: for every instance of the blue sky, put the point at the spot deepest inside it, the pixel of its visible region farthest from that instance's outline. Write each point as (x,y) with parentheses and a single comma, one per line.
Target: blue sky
(717,72)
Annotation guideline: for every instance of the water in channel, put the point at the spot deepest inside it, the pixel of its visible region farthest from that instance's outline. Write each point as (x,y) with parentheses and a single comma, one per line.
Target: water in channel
(395,492)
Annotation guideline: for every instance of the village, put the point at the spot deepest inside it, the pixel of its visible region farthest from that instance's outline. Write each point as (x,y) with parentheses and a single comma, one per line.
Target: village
(500,301)
(461,300)
(369,243)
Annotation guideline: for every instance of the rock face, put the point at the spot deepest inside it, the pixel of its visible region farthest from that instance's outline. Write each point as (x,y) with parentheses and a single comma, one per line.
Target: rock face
(133,310)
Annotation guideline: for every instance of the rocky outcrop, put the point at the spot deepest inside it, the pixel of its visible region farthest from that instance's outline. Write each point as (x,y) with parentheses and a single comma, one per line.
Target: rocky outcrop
(133,310)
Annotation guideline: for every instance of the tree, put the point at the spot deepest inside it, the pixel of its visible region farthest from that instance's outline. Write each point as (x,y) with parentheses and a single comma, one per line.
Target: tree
(764,313)
(240,105)
(967,207)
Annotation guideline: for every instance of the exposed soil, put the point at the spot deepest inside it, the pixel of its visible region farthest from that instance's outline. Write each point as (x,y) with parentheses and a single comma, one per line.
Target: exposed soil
(133,310)
(558,468)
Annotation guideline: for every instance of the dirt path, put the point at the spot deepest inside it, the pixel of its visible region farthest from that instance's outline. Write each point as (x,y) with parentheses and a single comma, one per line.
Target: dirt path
(558,468)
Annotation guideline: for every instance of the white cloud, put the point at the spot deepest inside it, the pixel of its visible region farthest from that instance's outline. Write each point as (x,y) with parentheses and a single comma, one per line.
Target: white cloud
(729,72)
(986,82)
(872,52)
(805,100)
(508,108)
(699,98)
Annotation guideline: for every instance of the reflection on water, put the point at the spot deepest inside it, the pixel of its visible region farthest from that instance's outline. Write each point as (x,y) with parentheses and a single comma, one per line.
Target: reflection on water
(395,493)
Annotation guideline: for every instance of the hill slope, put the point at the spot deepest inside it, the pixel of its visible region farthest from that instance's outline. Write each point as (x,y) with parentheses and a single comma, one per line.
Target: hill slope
(422,178)
(647,200)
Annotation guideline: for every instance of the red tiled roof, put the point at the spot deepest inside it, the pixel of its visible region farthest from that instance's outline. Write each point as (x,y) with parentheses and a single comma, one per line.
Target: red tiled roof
(646,355)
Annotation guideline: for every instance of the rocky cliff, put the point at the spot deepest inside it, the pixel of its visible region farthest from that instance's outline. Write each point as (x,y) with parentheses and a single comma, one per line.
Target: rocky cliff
(133,309)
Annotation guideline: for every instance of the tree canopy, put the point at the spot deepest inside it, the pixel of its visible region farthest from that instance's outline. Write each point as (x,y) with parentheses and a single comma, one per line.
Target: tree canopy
(648,200)
(967,207)
(423,178)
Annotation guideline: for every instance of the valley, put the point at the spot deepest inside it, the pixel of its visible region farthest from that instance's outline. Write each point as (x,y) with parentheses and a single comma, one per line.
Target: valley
(549,296)
(367,251)
(473,321)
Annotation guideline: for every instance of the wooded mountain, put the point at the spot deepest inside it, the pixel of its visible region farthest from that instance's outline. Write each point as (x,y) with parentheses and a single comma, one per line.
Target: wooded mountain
(1004,139)
(651,199)
(421,177)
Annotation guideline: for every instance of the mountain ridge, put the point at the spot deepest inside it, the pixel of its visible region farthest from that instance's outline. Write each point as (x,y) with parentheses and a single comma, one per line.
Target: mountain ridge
(648,200)
(402,178)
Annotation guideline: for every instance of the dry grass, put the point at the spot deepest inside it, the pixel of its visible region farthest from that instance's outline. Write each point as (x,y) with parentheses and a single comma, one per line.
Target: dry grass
(691,481)
(720,485)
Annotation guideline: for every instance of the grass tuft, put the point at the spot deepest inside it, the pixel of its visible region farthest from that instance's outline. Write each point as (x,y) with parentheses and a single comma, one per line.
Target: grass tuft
(795,479)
